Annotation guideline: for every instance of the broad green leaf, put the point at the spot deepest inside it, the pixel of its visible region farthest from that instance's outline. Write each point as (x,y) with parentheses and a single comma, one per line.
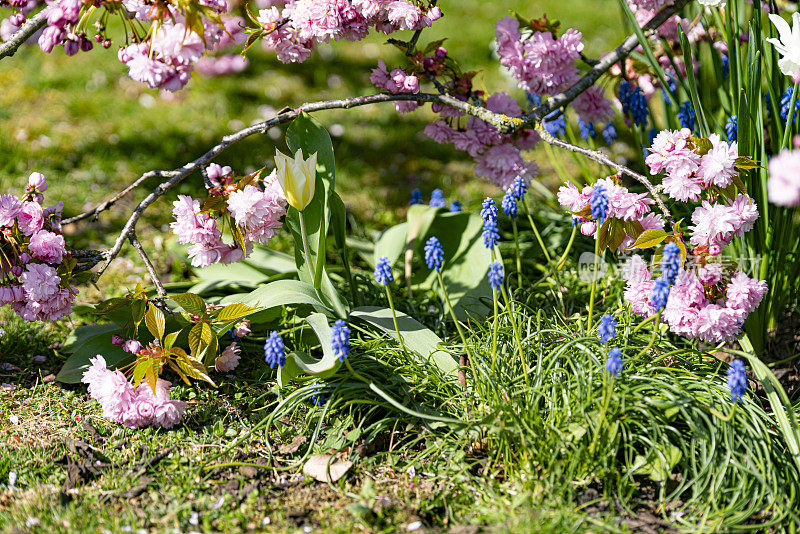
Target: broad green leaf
(659,464)
(391,244)
(85,343)
(138,309)
(169,340)
(191,367)
(190,302)
(235,311)
(141,369)
(298,362)
(649,238)
(416,337)
(154,319)
(279,293)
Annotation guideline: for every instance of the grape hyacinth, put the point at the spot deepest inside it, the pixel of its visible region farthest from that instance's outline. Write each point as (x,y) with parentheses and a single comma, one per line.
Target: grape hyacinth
(599,203)
(340,339)
(634,102)
(434,254)
(495,275)
(670,262)
(437,199)
(786,102)
(607,329)
(491,234)
(416,197)
(732,128)
(555,126)
(687,116)
(383,271)
(660,294)
(455,206)
(274,351)
(609,133)
(737,380)
(586,129)
(489,210)
(509,204)
(518,187)
(614,361)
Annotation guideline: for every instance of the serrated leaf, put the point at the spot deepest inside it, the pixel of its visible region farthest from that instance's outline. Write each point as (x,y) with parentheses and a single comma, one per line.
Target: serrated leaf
(702,145)
(433,46)
(235,311)
(739,185)
(211,204)
(250,178)
(585,213)
(649,238)
(745,163)
(138,309)
(169,340)
(140,370)
(190,302)
(193,368)
(616,234)
(154,319)
(633,228)
(251,39)
(603,235)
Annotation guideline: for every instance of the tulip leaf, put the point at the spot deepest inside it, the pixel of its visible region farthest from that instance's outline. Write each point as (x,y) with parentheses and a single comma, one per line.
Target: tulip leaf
(299,362)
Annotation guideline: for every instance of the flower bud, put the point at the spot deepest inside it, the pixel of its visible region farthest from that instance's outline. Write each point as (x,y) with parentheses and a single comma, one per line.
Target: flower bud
(36,181)
(297,177)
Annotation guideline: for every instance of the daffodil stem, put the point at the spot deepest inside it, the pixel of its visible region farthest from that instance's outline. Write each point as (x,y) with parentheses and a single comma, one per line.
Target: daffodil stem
(304,236)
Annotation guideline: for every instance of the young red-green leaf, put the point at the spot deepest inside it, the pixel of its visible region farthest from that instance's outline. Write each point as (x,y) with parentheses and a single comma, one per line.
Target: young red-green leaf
(745,163)
(169,340)
(585,213)
(138,309)
(191,366)
(250,178)
(140,370)
(234,311)
(213,204)
(633,228)
(154,319)
(603,235)
(649,238)
(190,302)
(616,234)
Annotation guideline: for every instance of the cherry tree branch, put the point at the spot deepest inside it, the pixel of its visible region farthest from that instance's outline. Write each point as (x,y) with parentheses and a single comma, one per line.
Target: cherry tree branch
(148,265)
(28,28)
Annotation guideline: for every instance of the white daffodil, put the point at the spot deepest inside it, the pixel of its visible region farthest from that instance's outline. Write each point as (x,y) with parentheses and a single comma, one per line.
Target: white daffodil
(788,45)
(298,177)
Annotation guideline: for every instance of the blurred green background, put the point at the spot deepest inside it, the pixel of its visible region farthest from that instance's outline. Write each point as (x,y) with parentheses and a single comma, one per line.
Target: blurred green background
(91,130)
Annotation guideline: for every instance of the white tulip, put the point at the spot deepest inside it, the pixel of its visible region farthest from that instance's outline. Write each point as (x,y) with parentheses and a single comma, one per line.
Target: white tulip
(788,45)
(713,3)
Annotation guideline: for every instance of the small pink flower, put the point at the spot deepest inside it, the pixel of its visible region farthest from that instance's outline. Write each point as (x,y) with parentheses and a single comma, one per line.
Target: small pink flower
(132,346)
(117,339)
(47,246)
(229,359)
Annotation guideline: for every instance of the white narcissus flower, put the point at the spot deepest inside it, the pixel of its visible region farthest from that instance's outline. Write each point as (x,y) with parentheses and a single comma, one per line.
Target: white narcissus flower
(297,177)
(788,45)
(713,3)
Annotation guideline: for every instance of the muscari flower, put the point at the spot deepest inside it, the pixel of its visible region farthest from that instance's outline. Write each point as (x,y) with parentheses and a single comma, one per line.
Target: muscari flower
(340,339)
(383,271)
(509,205)
(297,177)
(518,187)
(488,210)
(686,115)
(490,234)
(726,66)
(555,126)
(732,128)
(416,197)
(607,329)
(670,262)
(634,102)
(434,255)
(455,206)
(660,294)
(737,380)
(599,203)
(614,361)
(609,133)
(786,102)
(274,351)
(437,199)
(586,129)
(495,275)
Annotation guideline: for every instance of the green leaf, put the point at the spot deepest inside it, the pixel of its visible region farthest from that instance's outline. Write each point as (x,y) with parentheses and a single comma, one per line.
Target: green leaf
(659,464)
(86,342)
(142,367)
(234,312)
(138,309)
(298,362)
(279,293)
(191,367)
(154,319)
(190,302)
(649,238)
(169,340)
(391,244)
(416,337)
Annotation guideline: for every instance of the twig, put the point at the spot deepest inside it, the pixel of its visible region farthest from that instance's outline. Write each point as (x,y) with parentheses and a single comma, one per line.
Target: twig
(31,26)
(148,265)
(94,212)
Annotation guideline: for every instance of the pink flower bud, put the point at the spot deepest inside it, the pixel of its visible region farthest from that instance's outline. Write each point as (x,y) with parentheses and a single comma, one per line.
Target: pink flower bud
(117,340)
(434,14)
(24,258)
(714,249)
(37,182)
(71,47)
(132,346)
(588,228)
(16,270)
(440,54)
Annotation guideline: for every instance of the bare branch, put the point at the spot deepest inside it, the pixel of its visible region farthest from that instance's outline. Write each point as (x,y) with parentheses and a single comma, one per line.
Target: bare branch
(31,26)
(94,212)
(148,265)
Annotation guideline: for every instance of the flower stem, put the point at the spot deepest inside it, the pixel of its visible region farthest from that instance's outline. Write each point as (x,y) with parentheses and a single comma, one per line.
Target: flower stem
(594,284)
(519,258)
(516,336)
(304,235)
(607,387)
(494,330)
(563,259)
(453,315)
(787,133)
(394,318)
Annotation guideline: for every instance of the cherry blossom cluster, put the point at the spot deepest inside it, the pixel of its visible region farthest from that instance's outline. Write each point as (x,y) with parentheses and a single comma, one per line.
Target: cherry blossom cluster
(295,29)
(783,186)
(34,272)
(700,299)
(253,213)
(134,407)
